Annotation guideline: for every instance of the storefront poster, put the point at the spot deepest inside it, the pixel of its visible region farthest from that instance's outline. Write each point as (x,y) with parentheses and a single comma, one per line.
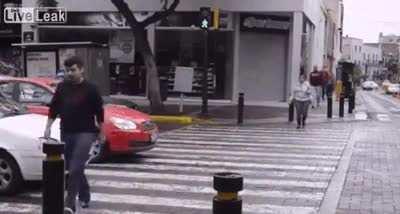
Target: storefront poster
(122,47)
(41,64)
(183,79)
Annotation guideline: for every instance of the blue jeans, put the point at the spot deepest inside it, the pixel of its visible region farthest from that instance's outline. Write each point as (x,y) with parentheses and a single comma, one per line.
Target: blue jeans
(77,147)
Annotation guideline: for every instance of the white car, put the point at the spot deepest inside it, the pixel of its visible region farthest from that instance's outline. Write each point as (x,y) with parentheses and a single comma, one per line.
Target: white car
(21,153)
(369,85)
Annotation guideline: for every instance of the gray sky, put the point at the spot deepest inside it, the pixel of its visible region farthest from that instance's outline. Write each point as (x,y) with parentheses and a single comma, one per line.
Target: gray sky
(364,19)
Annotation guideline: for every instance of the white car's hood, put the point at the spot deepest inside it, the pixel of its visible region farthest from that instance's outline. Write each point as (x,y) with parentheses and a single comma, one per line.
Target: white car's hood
(30,126)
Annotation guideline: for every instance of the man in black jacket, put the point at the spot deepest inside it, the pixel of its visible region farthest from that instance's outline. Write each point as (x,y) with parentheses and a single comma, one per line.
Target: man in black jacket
(80,108)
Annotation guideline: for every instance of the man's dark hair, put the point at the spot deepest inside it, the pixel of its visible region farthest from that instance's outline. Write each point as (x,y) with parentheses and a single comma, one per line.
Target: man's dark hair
(74,60)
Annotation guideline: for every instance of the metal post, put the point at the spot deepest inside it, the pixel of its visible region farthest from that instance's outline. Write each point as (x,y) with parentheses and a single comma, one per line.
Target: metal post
(227,199)
(341,105)
(204,107)
(350,110)
(240,108)
(53,177)
(329,112)
(353,97)
(291,111)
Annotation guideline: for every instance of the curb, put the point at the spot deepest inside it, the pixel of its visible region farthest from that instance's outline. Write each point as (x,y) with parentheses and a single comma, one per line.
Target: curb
(183,120)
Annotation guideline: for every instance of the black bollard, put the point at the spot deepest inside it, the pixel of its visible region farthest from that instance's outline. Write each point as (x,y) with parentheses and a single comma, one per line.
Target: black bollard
(350,110)
(291,111)
(341,105)
(353,101)
(329,112)
(240,108)
(227,199)
(53,177)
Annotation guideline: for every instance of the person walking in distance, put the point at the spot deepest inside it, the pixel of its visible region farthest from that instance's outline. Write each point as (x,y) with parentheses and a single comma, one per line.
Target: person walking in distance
(316,83)
(79,105)
(302,98)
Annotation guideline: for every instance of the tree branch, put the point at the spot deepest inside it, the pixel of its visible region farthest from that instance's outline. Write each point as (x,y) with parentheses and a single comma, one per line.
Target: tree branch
(162,14)
(123,8)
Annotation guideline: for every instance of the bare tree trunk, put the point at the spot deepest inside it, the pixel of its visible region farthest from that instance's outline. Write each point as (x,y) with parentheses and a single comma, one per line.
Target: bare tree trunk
(143,46)
(153,86)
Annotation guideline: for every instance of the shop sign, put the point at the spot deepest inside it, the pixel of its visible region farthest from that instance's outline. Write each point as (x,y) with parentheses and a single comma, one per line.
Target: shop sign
(264,23)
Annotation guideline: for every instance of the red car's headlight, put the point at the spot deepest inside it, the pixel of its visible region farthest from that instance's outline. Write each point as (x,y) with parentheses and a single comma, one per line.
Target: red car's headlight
(123,124)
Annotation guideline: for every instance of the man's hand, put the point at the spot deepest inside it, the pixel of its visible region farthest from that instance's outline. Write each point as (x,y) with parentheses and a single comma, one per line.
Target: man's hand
(47,131)
(101,136)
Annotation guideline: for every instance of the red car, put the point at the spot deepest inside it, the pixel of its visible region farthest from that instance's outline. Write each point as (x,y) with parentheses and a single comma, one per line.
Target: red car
(127,131)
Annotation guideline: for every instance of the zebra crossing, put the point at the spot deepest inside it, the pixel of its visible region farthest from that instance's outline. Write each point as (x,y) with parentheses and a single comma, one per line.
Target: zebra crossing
(285,171)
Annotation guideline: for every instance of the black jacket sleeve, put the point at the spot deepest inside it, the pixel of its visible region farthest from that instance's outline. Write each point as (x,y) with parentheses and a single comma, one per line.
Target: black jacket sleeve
(98,105)
(55,103)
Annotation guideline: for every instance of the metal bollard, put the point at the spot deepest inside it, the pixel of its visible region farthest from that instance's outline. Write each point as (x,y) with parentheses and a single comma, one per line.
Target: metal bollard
(227,199)
(329,112)
(341,105)
(53,177)
(350,110)
(291,112)
(240,108)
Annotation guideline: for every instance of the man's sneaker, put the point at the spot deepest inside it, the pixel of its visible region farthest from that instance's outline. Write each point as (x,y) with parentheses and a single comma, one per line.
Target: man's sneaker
(84,204)
(68,210)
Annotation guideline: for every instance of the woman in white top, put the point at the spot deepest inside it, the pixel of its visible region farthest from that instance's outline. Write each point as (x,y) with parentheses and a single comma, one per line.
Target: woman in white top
(302,96)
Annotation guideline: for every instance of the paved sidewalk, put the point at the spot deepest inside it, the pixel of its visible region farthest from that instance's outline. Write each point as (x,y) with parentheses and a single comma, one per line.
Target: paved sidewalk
(373,181)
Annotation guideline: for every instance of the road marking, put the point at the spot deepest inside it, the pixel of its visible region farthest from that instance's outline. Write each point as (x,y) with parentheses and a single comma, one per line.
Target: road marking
(201,189)
(263,139)
(281,137)
(265,130)
(194,204)
(278,174)
(196,140)
(244,165)
(34,208)
(361,116)
(200,178)
(285,154)
(276,163)
(252,149)
(383,117)
(199,156)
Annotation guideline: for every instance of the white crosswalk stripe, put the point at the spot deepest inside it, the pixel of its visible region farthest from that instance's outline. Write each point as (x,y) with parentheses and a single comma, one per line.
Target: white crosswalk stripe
(285,171)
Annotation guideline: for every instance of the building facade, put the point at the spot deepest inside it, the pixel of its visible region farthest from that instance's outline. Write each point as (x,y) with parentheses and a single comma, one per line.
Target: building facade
(368,57)
(259,51)
(372,65)
(353,50)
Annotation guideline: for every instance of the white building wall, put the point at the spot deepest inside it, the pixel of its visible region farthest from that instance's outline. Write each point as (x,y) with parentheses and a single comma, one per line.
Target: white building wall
(372,54)
(352,50)
(319,39)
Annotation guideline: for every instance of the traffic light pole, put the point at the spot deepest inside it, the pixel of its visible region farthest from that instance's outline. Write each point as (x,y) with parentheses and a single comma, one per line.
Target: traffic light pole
(204,107)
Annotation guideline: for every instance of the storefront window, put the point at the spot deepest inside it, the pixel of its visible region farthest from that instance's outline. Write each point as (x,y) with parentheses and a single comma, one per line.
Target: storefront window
(186,48)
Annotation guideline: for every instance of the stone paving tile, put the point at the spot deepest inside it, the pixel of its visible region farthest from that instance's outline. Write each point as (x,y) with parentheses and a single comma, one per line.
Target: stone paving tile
(373,179)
